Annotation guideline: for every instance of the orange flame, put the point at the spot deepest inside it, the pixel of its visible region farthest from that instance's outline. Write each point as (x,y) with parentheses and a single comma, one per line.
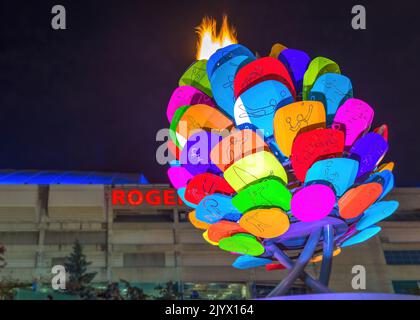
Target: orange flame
(208,39)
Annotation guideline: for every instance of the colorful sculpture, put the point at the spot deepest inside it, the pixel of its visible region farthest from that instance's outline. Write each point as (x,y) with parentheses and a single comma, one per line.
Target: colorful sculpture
(274,154)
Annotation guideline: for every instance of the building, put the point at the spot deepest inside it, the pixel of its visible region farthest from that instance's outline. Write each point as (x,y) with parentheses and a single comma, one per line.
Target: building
(139,232)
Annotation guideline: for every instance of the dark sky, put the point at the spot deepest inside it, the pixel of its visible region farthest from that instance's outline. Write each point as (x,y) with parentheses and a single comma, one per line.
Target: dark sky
(92,97)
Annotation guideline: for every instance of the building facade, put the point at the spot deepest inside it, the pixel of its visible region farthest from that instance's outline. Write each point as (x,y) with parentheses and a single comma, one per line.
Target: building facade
(140,233)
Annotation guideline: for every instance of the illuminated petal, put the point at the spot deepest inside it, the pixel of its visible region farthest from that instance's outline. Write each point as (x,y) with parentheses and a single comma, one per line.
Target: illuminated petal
(201,117)
(274,266)
(383,131)
(260,70)
(354,118)
(197,223)
(222,83)
(315,145)
(235,146)
(247,262)
(386,166)
(319,258)
(355,201)
(206,237)
(179,177)
(195,156)
(386,179)
(332,90)
(269,192)
(181,194)
(339,172)
(242,243)
(173,149)
(369,150)
(206,184)
(317,67)
(254,167)
(304,229)
(276,49)
(296,62)
(295,118)
(362,236)
(376,213)
(216,207)
(265,223)
(174,126)
(223,55)
(186,96)
(313,202)
(224,229)
(257,105)
(196,76)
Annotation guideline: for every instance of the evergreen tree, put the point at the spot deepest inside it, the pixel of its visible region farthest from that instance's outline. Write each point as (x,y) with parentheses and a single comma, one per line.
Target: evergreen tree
(76,267)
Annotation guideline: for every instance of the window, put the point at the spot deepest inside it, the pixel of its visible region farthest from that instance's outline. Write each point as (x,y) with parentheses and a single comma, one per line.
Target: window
(143,216)
(407,287)
(68,238)
(134,260)
(183,216)
(402,257)
(405,216)
(19,238)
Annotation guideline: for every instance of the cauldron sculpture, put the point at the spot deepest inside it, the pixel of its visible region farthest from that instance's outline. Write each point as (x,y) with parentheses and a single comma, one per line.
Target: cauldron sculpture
(277,161)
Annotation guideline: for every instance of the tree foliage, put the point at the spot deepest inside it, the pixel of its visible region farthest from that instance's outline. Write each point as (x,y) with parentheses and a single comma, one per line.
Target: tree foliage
(169,291)
(76,266)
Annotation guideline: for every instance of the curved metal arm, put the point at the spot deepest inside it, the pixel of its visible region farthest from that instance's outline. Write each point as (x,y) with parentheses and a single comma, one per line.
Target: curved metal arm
(304,276)
(328,232)
(300,264)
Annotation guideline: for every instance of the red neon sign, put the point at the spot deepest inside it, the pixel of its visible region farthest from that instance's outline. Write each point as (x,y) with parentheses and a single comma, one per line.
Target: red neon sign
(153,197)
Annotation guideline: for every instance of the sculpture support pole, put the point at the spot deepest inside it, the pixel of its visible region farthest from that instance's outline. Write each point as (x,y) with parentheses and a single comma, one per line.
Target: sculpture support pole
(289,264)
(300,264)
(324,277)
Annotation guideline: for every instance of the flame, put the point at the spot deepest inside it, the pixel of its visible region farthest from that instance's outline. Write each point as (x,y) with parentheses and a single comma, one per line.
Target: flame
(209,41)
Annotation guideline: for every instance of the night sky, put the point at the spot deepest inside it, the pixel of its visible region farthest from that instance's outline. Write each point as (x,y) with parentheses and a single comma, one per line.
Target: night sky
(92,97)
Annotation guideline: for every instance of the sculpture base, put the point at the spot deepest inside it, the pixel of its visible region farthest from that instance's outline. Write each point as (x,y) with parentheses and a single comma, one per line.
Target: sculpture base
(347,296)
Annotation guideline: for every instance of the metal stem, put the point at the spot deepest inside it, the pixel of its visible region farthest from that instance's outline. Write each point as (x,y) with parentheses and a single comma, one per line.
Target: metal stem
(300,264)
(324,277)
(304,276)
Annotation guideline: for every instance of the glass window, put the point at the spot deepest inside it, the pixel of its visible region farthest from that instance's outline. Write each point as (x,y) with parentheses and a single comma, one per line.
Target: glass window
(85,238)
(19,238)
(144,216)
(144,260)
(402,257)
(183,216)
(407,286)
(405,216)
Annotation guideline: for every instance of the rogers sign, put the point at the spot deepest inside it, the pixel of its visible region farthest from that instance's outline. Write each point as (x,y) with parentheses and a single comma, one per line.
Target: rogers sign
(153,197)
